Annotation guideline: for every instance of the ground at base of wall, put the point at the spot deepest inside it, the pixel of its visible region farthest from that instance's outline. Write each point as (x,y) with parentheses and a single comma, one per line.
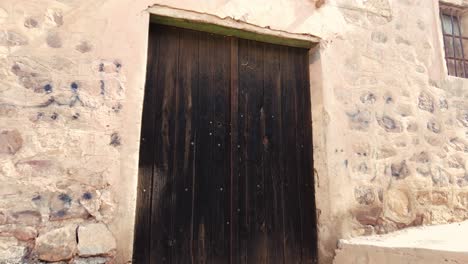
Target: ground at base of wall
(420,245)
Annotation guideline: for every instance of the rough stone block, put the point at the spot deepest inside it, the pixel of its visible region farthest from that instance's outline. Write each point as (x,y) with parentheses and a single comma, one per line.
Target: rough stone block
(426,102)
(66,206)
(364,195)
(92,260)
(91,201)
(359,120)
(389,124)
(25,217)
(54,40)
(458,144)
(10,251)
(399,170)
(10,38)
(95,240)
(56,245)
(440,177)
(462,199)
(440,197)
(462,117)
(368,216)
(397,206)
(421,157)
(379,37)
(20,232)
(434,126)
(10,141)
(423,197)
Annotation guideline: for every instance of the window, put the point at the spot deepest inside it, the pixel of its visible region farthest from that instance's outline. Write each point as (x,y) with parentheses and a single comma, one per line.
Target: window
(454,41)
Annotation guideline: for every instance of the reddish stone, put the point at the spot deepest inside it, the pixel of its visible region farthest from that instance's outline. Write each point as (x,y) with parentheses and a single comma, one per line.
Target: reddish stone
(56,245)
(368,216)
(27,217)
(10,142)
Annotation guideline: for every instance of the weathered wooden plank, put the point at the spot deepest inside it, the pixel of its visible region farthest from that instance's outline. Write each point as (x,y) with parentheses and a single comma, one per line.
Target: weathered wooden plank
(162,232)
(291,208)
(251,85)
(300,166)
(203,157)
(143,212)
(186,89)
(271,148)
(213,162)
(234,152)
(220,182)
(242,224)
(309,232)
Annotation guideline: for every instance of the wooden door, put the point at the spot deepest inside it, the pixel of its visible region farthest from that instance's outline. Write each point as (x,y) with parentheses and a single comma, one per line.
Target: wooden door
(226,152)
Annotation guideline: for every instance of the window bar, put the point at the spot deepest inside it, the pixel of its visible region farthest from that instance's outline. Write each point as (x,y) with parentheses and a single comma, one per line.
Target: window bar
(460,37)
(461,46)
(453,42)
(455,58)
(445,43)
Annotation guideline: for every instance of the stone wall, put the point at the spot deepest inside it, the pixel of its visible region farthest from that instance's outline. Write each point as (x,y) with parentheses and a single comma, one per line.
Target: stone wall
(65,88)
(390,128)
(396,124)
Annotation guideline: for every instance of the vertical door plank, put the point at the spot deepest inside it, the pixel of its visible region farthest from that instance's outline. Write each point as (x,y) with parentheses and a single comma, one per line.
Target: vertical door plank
(212,156)
(271,148)
(251,87)
(203,157)
(163,185)
(143,212)
(220,68)
(242,223)
(187,87)
(309,246)
(289,125)
(234,151)
(299,86)
(243,142)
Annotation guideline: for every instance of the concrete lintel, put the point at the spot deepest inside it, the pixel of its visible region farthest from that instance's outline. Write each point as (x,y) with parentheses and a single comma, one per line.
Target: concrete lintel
(454,3)
(228,26)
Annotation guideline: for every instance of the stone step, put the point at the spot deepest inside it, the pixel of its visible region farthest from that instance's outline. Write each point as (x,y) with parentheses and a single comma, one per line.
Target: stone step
(440,244)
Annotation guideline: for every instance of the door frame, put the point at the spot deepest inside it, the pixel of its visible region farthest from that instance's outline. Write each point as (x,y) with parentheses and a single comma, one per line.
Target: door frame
(165,15)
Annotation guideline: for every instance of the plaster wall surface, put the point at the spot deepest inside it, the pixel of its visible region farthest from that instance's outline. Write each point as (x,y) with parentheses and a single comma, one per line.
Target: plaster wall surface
(390,127)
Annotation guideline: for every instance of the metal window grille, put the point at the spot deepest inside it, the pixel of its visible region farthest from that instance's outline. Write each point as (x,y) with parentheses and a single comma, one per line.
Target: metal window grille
(454,41)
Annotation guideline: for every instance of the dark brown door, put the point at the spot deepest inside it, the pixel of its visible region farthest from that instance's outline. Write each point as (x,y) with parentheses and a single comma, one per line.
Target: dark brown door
(226,152)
